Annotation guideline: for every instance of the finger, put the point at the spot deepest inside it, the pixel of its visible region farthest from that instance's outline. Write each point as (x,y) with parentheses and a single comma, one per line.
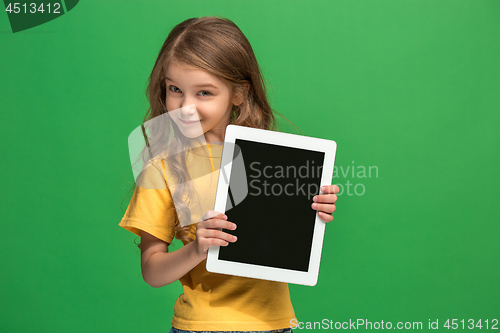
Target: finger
(326,208)
(211,214)
(212,242)
(213,233)
(325,198)
(217,224)
(325,217)
(333,189)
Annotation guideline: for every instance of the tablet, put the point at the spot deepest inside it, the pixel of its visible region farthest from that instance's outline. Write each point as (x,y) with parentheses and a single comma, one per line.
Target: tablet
(266,184)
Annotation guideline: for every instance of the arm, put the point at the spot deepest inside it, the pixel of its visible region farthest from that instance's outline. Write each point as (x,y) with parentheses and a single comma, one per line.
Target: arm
(160,267)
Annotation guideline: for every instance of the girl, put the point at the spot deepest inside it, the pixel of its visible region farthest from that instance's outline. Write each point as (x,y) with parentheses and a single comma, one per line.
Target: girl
(206,76)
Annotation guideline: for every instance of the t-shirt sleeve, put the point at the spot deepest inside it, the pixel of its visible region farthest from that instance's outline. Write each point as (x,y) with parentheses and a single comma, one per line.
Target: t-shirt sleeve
(151,207)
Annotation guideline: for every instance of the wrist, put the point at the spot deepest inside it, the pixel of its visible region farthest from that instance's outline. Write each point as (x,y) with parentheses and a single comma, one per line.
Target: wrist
(196,252)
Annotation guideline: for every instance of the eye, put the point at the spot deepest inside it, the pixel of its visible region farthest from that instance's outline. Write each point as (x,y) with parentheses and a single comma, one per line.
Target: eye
(205,91)
(170,88)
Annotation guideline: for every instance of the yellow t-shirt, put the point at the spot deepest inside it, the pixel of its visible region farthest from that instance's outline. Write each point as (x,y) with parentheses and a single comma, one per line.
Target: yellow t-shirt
(211,301)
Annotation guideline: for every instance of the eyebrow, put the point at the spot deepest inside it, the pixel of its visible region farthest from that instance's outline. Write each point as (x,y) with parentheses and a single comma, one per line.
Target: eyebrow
(202,85)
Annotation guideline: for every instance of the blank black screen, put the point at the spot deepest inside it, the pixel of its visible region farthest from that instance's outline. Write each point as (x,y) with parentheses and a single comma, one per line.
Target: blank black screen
(273,228)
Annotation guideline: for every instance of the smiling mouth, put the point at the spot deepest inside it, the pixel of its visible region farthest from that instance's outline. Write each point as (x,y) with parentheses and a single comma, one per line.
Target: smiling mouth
(189,122)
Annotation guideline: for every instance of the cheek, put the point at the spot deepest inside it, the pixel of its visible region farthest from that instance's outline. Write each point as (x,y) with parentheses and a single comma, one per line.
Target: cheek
(170,104)
(205,111)
(215,111)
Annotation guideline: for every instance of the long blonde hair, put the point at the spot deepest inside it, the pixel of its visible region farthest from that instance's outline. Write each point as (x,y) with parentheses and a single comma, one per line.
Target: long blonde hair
(218,46)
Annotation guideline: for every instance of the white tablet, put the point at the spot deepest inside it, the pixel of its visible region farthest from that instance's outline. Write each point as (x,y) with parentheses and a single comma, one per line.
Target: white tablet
(266,184)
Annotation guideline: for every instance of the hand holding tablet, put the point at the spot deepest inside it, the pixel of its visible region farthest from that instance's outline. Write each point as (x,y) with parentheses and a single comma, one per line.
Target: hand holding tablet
(266,186)
(209,232)
(325,203)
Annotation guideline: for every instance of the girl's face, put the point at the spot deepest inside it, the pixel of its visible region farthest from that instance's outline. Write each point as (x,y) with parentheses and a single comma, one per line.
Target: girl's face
(202,101)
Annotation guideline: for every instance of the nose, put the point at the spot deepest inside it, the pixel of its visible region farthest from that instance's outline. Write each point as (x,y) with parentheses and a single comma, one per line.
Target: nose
(188,111)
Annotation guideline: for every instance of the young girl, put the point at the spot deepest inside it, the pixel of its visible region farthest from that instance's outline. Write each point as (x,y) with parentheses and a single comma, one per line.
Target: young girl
(207,72)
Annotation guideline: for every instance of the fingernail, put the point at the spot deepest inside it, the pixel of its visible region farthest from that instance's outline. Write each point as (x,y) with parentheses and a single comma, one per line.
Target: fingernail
(315,198)
(234,226)
(314,205)
(323,189)
(234,238)
(224,217)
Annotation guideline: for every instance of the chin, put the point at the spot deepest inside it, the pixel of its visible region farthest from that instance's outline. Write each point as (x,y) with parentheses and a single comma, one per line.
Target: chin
(193,135)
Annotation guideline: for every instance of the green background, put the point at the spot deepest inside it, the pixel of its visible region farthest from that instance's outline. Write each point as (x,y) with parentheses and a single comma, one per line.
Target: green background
(410,87)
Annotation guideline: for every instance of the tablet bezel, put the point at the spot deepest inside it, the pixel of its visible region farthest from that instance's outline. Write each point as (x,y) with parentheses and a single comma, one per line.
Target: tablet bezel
(328,147)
